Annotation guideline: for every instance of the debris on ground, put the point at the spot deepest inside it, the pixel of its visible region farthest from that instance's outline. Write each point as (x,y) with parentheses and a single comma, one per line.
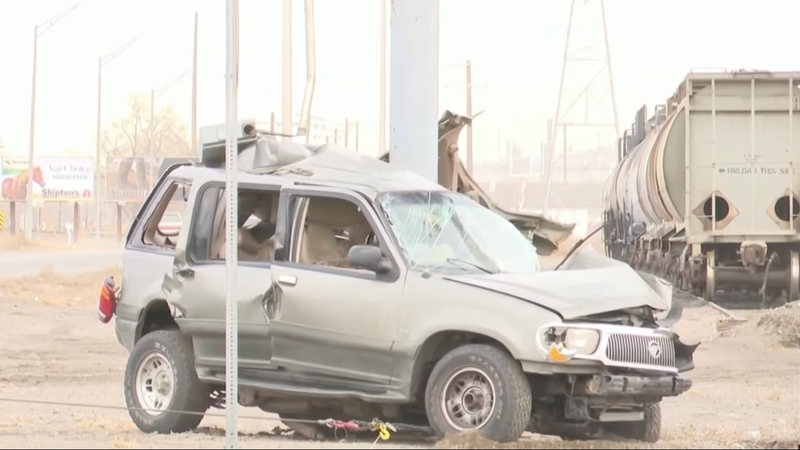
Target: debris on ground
(783,323)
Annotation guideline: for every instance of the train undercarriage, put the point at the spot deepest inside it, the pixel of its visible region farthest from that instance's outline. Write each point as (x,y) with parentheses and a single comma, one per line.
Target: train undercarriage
(769,270)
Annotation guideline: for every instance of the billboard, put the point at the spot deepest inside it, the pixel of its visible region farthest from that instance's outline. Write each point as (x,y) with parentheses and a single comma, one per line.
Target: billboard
(129,179)
(65,179)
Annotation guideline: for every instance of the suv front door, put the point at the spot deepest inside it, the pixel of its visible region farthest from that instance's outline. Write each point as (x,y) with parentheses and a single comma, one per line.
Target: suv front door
(332,321)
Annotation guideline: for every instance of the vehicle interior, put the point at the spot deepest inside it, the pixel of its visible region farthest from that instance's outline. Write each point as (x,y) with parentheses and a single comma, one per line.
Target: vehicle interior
(258,215)
(331,226)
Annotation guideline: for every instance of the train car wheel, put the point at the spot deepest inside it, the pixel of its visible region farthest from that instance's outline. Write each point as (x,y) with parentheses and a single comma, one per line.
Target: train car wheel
(711,287)
(793,292)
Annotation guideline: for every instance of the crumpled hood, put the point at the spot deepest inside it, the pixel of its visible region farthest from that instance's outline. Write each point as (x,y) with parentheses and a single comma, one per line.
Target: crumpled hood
(573,293)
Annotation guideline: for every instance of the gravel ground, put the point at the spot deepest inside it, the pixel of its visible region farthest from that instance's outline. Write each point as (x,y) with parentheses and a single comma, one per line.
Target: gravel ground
(746,392)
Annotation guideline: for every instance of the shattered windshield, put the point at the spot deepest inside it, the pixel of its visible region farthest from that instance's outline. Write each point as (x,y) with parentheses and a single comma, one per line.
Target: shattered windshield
(445,231)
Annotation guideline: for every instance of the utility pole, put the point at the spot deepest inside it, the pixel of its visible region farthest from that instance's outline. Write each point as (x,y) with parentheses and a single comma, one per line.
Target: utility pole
(194,87)
(602,66)
(414,89)
(287,120)
(38,31)
(154,94)
(469,114)
(102,61)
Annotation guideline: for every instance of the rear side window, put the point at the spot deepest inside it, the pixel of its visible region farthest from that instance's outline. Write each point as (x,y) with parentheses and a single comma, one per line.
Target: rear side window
(164,218)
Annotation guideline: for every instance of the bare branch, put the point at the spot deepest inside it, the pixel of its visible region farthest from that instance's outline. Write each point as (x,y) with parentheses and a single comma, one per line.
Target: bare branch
(139,134)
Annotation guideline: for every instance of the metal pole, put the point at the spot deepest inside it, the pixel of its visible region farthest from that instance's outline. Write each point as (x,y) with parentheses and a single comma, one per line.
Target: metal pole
(101,61)
(382,107)
(557,118)
(150,125)
(357,137)
(469,114)
(97,149)
(346,132)
(286,110)
(608,65)
(38,30)
(414,57)
(32,131)
(194,87)
(232,194)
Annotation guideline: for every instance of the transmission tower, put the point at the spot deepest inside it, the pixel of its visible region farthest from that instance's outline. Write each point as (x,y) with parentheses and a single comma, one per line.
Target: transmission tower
(585,128)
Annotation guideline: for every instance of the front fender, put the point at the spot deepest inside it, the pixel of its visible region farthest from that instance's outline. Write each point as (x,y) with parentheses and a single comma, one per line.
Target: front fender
(435,305)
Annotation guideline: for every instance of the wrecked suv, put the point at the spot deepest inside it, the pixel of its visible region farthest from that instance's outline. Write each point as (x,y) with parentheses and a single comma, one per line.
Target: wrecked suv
(367,291)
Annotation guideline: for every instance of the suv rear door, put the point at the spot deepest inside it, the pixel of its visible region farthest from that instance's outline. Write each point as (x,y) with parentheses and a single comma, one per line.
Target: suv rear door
(330,321)
(148,256)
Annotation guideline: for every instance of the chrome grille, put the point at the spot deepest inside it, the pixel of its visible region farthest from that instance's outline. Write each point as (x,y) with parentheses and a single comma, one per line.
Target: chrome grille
(643,350)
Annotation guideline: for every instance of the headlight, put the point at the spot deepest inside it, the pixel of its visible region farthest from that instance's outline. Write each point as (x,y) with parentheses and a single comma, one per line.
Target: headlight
(581,340)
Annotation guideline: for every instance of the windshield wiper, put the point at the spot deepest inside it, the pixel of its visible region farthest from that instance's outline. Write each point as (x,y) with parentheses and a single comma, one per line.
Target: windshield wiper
(482,269)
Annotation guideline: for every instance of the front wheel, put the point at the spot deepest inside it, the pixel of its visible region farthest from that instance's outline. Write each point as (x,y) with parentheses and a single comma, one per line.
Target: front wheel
(160,377)
(647,430)
(478,388)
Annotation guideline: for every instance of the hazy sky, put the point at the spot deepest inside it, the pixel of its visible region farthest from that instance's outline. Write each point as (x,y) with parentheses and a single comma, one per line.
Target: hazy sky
(516,47)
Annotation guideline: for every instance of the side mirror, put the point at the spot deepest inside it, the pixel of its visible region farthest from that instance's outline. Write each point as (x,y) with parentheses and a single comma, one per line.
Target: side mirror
(637,230)
(368,257)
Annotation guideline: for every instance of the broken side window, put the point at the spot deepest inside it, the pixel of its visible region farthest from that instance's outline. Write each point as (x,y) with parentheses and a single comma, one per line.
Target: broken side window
(207,217)
(326,228)
(256,223)
(164,225)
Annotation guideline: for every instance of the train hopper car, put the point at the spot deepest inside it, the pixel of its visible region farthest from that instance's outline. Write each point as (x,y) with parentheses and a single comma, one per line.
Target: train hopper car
(707,191)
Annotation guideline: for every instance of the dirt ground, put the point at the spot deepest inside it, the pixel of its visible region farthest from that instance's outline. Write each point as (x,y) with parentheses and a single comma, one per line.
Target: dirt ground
(54,351)
(53,242)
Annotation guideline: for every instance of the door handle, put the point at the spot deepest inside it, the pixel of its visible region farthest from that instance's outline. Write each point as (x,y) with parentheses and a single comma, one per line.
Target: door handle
(185,273)
(287,280)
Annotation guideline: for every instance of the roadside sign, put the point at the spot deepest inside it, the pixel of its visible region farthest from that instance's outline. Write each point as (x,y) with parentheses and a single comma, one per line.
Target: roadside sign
(55,178)
(2,221)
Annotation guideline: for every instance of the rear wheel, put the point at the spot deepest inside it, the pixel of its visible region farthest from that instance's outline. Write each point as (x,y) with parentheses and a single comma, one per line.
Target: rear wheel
(160,378)
(478,388)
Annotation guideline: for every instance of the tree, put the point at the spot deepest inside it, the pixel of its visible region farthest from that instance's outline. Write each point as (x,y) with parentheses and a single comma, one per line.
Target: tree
(146,132)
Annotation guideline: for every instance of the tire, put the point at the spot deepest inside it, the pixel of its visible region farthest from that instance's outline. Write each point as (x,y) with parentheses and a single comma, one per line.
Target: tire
(647,430)
(509,414)
(186,393)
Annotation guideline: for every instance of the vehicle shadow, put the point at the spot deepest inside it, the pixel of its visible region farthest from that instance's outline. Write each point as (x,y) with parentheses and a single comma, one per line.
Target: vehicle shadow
(329,435)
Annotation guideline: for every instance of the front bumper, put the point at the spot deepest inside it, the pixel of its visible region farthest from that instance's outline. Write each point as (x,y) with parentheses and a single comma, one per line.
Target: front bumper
(635,386)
